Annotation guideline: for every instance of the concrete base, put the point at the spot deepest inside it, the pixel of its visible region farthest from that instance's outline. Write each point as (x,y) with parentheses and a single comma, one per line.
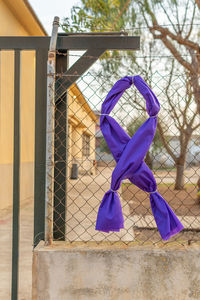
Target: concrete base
(103,272)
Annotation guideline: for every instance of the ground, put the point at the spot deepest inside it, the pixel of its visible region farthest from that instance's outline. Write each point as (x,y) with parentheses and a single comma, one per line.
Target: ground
(183,203)
(25,255)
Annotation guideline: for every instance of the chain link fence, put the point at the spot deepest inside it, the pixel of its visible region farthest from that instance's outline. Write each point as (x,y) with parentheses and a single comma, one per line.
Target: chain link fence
(83,163)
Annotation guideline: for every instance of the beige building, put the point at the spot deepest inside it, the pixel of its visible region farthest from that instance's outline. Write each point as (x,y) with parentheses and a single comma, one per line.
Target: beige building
(82,125)
(18,19)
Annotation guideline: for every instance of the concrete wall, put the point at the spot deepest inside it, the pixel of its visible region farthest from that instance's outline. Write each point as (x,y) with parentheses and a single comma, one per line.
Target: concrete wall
(115,273)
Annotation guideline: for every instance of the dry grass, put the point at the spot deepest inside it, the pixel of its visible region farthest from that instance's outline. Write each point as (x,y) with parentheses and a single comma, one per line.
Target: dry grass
(183,203)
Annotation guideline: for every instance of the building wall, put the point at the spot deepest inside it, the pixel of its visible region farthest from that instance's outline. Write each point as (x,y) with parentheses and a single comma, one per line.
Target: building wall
(80,122)
(78,116)
(6,124)
(11,26)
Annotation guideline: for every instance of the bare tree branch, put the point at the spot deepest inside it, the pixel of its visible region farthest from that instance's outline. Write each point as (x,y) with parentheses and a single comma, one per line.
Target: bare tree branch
(193,119)
(177,18)
(170,102)
(175,52)
(185,15)
(168,17)
(195,127)
(192,21)
(176,37)
(188,102)
(124,8)
(166,32)
(165,142)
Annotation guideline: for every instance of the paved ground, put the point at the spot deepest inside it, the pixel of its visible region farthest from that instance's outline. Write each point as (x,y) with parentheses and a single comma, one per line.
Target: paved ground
(191,175)
(84,198)
(25,265)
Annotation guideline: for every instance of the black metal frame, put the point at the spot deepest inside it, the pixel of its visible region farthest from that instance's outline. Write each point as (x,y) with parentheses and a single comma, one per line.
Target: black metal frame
(40,144)
(16,176)
(96,45)
(60,155)
(72,42)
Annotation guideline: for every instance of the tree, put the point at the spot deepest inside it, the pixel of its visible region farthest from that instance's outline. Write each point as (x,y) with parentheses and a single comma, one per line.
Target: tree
(100,15)
(185,123)
(178,116)
(180,40)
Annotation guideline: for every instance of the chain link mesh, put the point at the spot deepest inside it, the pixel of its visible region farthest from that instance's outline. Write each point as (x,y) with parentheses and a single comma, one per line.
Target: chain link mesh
(83,163)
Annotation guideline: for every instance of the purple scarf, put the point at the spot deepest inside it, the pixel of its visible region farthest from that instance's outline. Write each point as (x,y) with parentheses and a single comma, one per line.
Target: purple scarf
(129,154)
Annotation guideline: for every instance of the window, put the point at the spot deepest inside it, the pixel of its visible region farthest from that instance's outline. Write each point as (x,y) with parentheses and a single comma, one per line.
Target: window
(86,145)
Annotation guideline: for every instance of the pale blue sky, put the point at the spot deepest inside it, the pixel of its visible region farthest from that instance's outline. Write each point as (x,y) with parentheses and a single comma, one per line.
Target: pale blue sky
(47,9)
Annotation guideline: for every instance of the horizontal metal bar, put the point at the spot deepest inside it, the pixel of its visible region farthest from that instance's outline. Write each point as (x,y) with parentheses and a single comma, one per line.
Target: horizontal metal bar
(111,42)
(24,42)
(92,33)
(100,42)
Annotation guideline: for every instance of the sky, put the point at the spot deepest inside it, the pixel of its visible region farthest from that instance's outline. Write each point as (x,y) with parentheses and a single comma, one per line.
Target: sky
(46,10)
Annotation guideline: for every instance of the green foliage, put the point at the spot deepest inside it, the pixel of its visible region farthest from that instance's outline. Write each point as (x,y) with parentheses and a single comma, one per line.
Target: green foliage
(103,16)
(100,15)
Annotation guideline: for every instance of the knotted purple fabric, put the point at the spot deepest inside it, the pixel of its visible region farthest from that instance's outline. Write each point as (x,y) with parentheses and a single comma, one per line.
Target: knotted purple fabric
(129,153)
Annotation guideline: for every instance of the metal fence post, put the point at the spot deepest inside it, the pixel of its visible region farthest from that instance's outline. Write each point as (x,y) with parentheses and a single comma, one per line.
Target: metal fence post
(49,188)
(61,145)
(16,179)
(40,144)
